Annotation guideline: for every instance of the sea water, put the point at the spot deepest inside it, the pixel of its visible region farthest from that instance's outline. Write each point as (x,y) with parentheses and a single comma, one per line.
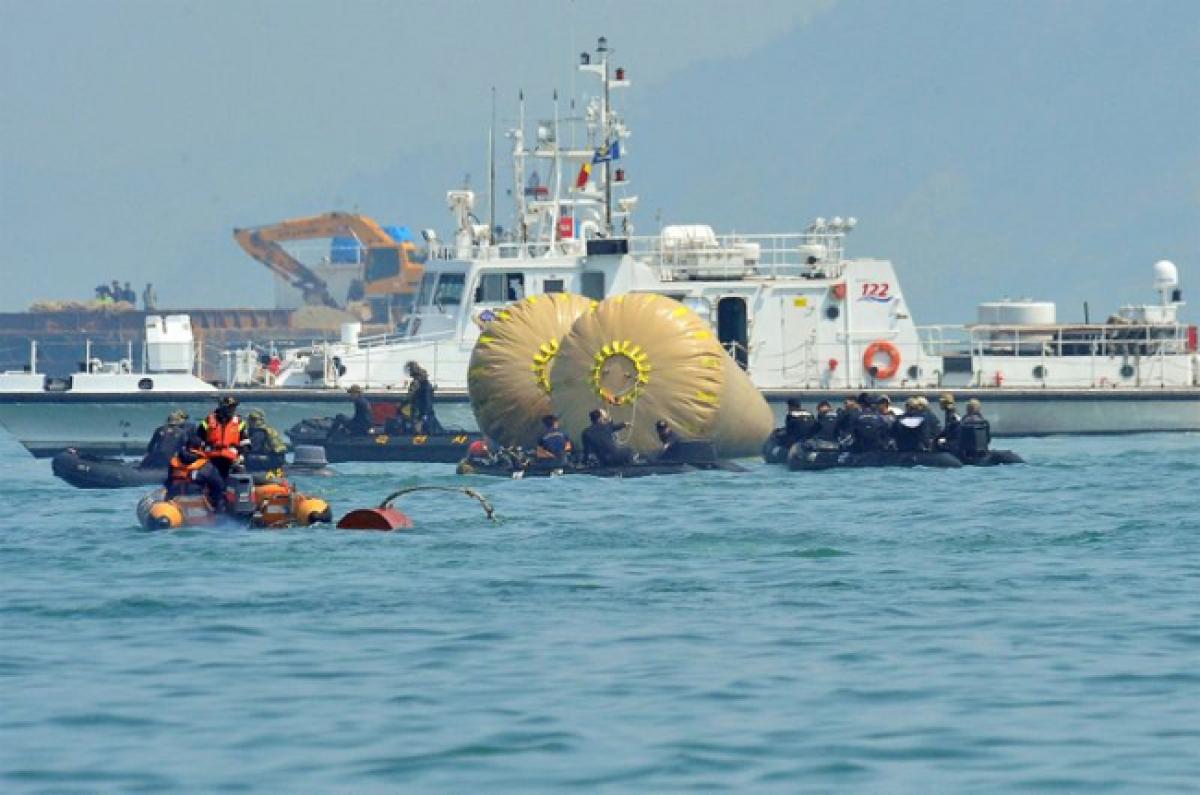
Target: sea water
(1019,628)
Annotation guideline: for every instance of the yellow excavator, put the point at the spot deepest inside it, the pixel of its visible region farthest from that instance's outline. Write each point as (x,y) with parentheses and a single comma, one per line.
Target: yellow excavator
(390,268)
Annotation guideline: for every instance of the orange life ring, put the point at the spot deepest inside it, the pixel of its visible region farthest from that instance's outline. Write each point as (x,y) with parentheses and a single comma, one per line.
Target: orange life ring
(893,354)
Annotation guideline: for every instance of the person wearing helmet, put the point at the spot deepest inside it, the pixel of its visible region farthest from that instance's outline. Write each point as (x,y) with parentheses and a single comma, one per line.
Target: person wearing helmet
(167,440)
(267,450)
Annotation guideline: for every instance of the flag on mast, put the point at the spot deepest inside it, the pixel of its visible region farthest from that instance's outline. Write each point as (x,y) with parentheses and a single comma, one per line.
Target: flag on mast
(585,171)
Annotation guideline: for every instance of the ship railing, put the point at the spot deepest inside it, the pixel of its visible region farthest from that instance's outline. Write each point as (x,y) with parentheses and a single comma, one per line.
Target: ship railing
(394,338)
(697,255)
(1098,340)
(703,255)
(1102,340)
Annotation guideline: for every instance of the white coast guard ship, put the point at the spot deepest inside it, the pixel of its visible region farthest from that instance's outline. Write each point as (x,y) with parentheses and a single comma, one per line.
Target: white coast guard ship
(801,317)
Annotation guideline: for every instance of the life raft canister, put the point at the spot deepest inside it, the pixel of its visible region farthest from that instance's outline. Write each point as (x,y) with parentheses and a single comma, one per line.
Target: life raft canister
(881,372)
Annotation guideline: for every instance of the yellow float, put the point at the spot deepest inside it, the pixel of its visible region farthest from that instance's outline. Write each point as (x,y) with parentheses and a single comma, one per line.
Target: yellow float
(644,358)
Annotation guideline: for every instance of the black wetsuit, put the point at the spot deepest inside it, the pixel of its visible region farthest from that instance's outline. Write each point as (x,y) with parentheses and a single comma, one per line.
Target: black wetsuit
(948,440)
(420,395)
(846,420)
(164,444)
(974,436)
(599,440)
(913,433)
(361,422)
(671,448)
(871,433)
(798,425)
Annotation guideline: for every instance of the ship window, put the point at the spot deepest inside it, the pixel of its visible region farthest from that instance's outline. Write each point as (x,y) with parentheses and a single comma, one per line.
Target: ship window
(382,263)
(592,285)
(146,383)
(552,286)
(498,288)
(426,291)
(449,290)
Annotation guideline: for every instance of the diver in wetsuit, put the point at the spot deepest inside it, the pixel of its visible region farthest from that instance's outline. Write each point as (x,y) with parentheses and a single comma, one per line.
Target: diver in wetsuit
(798,424)
(847,417)
(825,429)
(871,430)
(912,432)
(974,432)
(935,425)
(671,443)
(360,424)
(420,399)
(600,442)
(948,438)
(167,440)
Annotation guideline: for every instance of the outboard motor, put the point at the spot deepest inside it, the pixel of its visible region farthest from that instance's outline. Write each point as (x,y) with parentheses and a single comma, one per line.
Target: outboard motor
(974,436)
(242,486)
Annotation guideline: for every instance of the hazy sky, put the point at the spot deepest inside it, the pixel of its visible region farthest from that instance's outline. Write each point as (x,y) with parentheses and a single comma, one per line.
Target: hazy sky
(1044,148)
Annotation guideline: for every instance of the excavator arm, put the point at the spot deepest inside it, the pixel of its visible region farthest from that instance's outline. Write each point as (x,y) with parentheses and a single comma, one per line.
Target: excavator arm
(263,244)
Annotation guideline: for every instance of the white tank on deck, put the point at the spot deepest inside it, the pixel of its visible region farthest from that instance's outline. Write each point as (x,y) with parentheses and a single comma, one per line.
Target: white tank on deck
(350,332)
(1023,312)
(170,345)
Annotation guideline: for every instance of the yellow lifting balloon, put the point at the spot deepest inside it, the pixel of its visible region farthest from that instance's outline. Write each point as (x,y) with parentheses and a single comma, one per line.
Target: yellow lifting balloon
(646,358)
(510,376)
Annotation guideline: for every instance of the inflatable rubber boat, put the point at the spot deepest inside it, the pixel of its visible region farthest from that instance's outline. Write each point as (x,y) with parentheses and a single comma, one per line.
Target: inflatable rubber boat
(802,458)
(539,469)
(690,456)
(249,501)
(445,447)
(85,471)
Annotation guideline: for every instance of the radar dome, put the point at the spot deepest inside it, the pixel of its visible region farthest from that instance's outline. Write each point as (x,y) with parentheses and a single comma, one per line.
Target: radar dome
(1166,275)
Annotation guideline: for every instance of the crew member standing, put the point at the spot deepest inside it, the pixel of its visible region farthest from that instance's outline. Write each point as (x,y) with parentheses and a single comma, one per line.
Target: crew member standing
(360,423)
(420,399)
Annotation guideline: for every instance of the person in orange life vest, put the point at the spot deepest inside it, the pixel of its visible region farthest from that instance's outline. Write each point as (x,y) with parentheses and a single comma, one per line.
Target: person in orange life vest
(218,440)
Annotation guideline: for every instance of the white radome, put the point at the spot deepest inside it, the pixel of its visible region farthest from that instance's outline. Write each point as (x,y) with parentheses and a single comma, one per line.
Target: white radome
(1166,275)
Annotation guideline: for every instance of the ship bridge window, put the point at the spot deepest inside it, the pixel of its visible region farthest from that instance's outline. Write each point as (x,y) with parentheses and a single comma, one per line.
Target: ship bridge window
(382,263)
(552,286)
(426,290)
(449,290)
(499,288)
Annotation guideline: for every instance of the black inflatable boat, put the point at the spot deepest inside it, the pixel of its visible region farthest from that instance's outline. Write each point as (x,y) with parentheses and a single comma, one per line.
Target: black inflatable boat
(92,472)
(689,456)
(85,471)
(800,458)
(446,447)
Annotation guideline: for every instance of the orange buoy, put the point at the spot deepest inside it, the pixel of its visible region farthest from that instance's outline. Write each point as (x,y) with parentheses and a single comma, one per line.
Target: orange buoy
(375,519)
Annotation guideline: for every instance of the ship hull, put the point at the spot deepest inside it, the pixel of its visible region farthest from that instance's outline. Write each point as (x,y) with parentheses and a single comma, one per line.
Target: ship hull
(97,424)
